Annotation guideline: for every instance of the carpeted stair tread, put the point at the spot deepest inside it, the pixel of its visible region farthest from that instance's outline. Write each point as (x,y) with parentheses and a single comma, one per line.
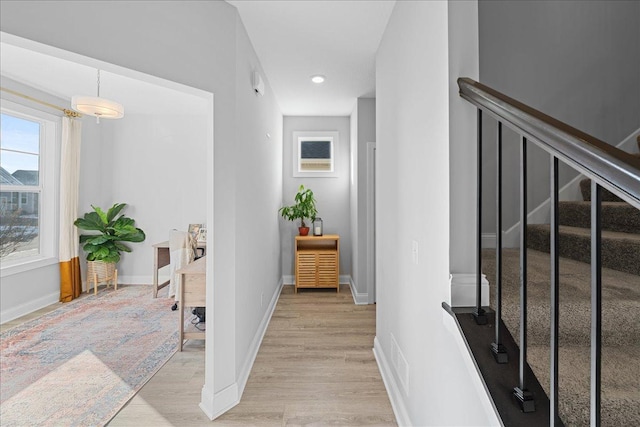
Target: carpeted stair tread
(620,395)
(620,307)
(620,251)
(616,216)
(619,324)
(621,345)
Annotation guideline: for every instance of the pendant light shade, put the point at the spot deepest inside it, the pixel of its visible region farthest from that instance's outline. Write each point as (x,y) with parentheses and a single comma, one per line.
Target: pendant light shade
(97,106)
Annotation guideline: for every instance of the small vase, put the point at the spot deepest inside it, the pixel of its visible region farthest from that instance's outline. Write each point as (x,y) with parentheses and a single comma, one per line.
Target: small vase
(303,231)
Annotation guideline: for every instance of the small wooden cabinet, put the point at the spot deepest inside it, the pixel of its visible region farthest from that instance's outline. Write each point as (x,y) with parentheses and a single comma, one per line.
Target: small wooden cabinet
(318,262)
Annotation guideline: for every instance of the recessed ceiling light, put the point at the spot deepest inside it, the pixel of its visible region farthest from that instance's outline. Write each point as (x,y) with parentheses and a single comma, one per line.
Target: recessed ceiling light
(317,79)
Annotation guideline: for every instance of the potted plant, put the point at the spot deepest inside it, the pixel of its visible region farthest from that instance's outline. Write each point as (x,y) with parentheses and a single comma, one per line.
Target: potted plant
(106,244)
(305,207)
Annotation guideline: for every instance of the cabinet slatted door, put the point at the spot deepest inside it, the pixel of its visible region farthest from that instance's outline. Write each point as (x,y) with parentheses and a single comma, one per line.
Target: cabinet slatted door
(327,273)
(317,262)
(306,269)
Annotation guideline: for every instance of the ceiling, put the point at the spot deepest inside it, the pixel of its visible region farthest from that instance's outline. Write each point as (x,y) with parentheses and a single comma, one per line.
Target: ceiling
(293,40)
(297,39)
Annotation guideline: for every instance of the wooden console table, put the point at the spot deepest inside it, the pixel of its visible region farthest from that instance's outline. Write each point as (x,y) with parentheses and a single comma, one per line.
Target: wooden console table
(160,259)
(193,293)
(318,262)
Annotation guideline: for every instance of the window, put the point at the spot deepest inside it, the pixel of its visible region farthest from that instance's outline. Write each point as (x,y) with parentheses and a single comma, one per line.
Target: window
(27,186)
(314,154)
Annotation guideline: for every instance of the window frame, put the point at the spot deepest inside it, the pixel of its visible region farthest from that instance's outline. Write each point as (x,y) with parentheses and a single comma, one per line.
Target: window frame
(47,188)
(299,137)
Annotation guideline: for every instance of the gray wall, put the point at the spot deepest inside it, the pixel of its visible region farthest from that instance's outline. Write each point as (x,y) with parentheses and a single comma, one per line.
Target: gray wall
(332,194)
(578,61)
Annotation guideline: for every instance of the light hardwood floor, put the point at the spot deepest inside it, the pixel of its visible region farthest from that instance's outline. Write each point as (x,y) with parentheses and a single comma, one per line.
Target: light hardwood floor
(315,367)
(20,320)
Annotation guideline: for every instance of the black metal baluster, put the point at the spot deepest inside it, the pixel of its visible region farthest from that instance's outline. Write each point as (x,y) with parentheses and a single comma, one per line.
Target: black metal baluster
(478,313)
(498,350)
(554,418)
(596,301)
(524,397)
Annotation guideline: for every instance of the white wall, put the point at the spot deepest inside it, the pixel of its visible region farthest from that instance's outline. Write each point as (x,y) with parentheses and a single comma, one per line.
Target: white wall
(413,205)
(463,62)
(332,194)
(258,173)
(363,130)
(158,170)
(196,44)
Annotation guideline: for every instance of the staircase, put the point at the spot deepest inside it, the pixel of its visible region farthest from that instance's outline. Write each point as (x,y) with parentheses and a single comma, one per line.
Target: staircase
(614,352)
(620,231)
(620,333)
(620,307)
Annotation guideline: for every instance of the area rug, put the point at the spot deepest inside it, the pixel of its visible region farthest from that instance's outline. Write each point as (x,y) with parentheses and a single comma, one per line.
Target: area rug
(79,364)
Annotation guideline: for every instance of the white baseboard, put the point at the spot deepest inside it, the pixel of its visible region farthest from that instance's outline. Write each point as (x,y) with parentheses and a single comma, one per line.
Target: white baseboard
(488,240)
(359,298)
(257,340)
(540,215)
(472,369)
(219,403)
(214,405)
(463,290)
(393,391)
(29,307)
(289,279)
(629,144)
(138,280)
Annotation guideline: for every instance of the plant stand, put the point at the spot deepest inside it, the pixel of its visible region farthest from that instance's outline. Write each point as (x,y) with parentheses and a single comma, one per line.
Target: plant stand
(101,272)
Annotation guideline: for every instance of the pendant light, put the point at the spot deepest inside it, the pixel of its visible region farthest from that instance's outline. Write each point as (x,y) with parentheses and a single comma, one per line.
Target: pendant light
(96,106)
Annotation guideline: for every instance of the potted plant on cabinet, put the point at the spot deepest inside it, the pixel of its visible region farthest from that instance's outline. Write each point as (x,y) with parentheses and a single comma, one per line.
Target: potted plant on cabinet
(105,245)
(305,207)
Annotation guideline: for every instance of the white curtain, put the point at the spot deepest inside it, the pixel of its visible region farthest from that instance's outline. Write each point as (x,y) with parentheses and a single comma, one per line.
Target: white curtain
(70,280)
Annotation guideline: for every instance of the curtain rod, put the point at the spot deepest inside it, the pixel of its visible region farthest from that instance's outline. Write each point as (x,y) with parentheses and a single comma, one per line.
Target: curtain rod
(67,112)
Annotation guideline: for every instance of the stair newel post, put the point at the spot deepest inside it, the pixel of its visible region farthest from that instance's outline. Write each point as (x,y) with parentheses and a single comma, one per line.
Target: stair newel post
(478,313)
(498,350)
(554,418)
(596,301)
(523,396)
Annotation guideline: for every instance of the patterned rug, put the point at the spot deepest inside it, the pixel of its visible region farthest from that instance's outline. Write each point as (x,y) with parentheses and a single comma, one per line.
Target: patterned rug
(79,364)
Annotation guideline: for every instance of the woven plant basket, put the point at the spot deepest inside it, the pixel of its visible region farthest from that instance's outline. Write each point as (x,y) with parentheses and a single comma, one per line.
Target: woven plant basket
(101,272)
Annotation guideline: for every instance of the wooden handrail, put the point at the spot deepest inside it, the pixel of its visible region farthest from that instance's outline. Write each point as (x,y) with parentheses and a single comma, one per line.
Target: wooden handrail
(609,166)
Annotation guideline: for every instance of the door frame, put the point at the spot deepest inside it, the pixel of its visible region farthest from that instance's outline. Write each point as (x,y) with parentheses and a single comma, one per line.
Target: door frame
(371,222)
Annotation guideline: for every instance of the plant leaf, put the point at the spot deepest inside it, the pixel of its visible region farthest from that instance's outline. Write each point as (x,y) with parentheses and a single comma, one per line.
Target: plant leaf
(114,210)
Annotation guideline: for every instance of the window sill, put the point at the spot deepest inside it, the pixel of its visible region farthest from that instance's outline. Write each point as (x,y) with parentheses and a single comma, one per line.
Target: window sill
(23,266)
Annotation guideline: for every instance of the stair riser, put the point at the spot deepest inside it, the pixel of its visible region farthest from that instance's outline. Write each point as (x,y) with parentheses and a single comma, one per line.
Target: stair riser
(617,254)
(623,218)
